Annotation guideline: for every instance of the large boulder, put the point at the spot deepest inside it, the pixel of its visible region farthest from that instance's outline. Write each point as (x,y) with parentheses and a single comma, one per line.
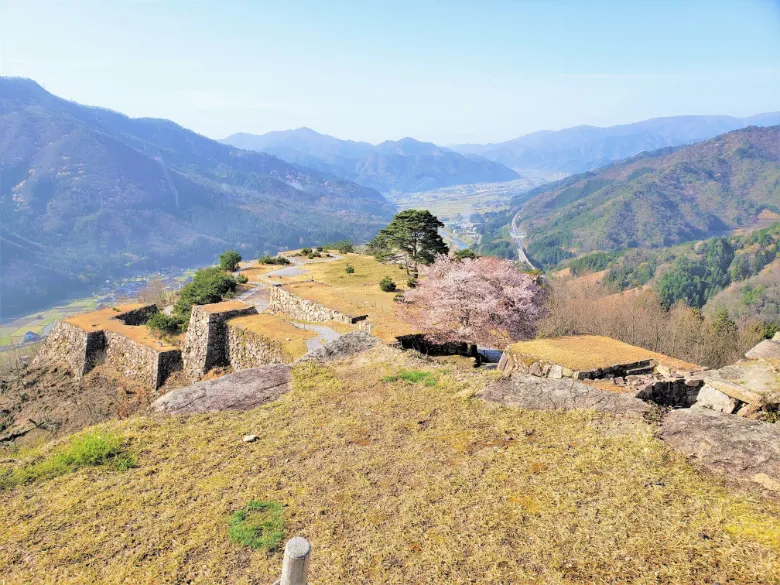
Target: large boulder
(767,349)
(731,445)
(534,393)
(344,346)
(243,390)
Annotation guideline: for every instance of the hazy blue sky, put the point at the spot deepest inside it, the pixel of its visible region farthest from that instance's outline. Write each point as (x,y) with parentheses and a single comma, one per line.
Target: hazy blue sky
(441,71)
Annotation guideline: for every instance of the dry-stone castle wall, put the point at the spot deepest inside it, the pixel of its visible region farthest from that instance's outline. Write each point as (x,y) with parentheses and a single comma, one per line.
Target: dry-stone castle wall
(83,350)
(80,350)
(206,344)
(247,349)
(282,301)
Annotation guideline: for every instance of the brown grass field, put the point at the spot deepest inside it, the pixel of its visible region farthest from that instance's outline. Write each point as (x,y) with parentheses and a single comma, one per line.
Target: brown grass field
(588,352)
(393,483)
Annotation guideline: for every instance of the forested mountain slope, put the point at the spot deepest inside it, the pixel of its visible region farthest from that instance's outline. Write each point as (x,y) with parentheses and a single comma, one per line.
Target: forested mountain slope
(656,199)
(87,193)
(585,148)
(405,165)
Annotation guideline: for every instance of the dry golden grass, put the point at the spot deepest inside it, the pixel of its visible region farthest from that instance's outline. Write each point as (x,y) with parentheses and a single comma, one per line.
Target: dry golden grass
(588,352)
(105,320)
(291,339)
(393,483)
(254,270)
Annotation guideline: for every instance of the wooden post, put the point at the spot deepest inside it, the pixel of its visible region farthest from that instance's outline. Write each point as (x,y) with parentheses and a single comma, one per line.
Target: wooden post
(295,567)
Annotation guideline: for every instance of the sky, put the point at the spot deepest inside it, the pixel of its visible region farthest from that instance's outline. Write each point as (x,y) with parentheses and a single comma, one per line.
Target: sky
(443,71)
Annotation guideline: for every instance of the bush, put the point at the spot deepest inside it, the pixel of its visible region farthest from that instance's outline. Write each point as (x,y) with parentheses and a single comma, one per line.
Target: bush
(343,247)
(465,253)
(259,525)
(88,450)
(242,279)
(349,269)
(210,285)
(399,298)
(229,260)
(320,249)
(273,260)
(411,282)
(387,284)
(162,323)
(305,251)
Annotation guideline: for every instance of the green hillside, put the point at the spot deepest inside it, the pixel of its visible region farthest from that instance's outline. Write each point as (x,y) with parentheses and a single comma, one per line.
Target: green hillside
(655,199)
(87,194)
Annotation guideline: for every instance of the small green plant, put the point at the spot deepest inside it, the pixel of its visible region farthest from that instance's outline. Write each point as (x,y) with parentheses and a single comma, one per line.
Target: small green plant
(258,525)
(349,269)
(387,284)
(413,377)
(91,449)
(399,298)
(305,251)
(229,260)
(273,260)
(320,249)
(411,282)
(162,323)
(466,253)
(242,279)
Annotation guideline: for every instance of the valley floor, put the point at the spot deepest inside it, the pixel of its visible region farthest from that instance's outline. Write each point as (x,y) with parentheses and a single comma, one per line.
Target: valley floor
(393,482)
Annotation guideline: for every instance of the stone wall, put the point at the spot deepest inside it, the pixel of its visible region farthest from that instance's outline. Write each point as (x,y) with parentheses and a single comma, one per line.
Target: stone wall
(69,344)
(247,349)
(137,316)
(532,365)
(282,301)
(140,362)
(205,345)
(418,343)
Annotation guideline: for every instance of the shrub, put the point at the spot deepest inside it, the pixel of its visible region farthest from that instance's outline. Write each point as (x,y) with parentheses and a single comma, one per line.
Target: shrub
(258,525)
(273,260)
(229,260)
(209,285)
(349,269)
(343,247)
(88,450)
(320,249)
(411,282)
(399,297)
(387,284)
(242,279)
(162,323)
(306,251)
(465,253)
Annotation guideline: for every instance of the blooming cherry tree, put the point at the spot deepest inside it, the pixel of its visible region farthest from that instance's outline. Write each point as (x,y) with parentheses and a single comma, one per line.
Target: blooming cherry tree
(480,301)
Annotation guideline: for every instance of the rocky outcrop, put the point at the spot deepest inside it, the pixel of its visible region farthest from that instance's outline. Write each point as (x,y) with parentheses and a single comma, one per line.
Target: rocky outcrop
(242,390)
(283,301)
(730,445)
(205,345)
(535,393)
(344,346)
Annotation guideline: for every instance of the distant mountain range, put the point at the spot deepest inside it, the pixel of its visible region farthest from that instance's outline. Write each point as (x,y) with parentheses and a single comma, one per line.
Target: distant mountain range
(406,165)
(87,193)
(585,148)
(653,200)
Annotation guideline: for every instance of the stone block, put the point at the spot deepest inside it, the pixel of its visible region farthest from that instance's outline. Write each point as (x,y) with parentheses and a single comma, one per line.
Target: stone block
(713,399)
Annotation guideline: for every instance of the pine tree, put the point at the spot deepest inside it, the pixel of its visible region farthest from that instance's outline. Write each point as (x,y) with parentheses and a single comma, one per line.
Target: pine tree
(412,238)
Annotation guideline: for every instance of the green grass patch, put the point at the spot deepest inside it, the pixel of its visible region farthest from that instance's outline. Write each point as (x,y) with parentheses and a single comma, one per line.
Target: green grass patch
(260,525)
(413,377)
(88,450)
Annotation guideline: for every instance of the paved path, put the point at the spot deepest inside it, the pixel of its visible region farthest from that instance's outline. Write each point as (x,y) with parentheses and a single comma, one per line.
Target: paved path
(324,333)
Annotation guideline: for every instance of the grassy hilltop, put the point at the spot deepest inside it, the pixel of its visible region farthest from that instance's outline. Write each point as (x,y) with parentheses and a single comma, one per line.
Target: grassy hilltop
(409,479)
